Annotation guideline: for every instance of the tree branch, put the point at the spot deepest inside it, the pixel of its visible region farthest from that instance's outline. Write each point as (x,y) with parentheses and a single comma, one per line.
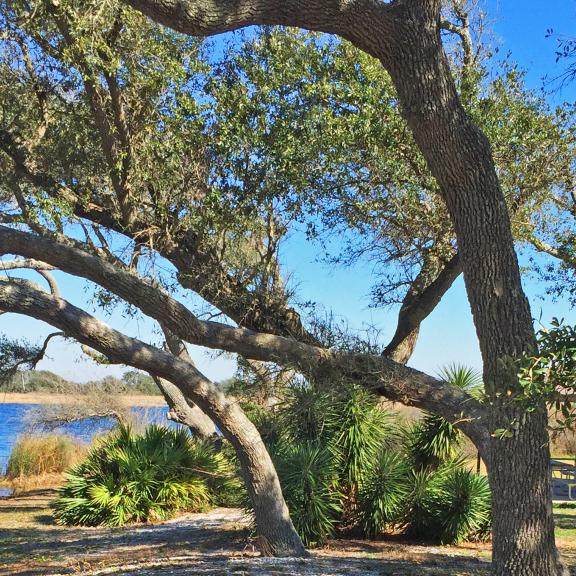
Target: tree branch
(566,257)
(380,375)
(353,19)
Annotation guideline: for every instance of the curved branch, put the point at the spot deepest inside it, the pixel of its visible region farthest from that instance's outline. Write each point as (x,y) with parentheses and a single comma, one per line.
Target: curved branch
(41,267)
(353,19)
(272,517)
(380,375)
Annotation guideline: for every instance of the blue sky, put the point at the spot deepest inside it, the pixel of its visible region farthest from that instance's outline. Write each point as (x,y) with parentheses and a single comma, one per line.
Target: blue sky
(448,335)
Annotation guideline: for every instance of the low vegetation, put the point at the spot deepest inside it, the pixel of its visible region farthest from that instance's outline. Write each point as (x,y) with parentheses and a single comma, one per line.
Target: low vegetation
(146,477)
(349,468)
(35,455)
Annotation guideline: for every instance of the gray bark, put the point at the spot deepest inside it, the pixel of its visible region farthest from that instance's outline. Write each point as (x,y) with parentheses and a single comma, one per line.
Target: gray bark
(421,299)
(182,409)
(377,373)
(185,412)
(276,533)
(405,36)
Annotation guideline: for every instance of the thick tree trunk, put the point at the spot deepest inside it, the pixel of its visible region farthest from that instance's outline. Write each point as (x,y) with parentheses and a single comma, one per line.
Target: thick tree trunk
(276,533)
(459,156)
(523,535)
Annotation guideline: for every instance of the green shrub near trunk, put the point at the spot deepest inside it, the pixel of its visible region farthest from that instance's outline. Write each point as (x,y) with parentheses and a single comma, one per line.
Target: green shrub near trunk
(347,467)
(144,477)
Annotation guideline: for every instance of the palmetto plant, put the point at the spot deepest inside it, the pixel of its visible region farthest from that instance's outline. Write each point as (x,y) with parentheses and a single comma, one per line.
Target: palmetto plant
(433,440)
(309,475)
(308,414)
(341,467)
(384,493)
(422,504)
(138,478)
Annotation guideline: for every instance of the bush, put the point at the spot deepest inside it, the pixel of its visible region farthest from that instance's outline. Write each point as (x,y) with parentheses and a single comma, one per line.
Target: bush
(309,474)
(432,441)
(383,495)
(448,505)
(140,478)
(465,504)
(345,465)
(41,455)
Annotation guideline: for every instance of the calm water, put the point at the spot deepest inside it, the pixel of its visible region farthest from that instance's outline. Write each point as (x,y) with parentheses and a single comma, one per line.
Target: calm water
(12,424)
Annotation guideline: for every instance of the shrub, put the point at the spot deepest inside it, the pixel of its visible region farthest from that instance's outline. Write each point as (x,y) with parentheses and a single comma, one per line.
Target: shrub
(308,473)
(464,511)
(421,508)
(432,441)
(362,430)
(138,478)
(448,505)
(383,495)
(345,465)
(41,455)
(308,414)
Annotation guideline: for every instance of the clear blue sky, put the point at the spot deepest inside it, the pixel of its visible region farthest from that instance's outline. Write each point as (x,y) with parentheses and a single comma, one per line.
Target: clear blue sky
(448,334)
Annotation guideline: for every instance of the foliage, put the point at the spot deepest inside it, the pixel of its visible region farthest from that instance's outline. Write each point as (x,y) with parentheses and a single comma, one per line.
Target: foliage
(383,495)
(14,355)
(138,478)
(549,376)
(309,476)
(39,455)
(25,381)
(447,505)
(345,464)
(363,430)
(465,506)
(433,440)
(308,414)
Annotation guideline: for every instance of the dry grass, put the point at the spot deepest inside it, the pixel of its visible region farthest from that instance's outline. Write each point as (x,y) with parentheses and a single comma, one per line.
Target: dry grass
(39,461)
(48,398)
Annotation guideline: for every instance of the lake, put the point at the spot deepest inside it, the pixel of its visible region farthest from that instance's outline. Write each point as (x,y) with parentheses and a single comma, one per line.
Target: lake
(13,423)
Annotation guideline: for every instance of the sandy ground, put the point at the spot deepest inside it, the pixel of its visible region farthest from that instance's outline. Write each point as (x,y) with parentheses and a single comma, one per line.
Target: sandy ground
(38,398)
(210,544)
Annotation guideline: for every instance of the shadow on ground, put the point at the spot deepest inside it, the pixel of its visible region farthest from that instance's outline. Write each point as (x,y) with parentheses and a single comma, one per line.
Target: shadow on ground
(209,544)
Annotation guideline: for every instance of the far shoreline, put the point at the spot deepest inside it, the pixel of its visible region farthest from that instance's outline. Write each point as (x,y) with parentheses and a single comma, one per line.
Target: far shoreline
(47,398)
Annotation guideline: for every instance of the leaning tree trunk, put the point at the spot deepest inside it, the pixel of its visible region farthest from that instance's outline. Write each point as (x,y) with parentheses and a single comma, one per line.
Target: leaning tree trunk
(276,533)
(460,158)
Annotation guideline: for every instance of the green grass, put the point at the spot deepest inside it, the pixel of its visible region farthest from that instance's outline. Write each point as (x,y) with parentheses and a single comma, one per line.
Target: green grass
(565,519)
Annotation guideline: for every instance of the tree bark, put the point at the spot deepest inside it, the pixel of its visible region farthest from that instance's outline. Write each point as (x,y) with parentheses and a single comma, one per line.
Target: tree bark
(422,297)
(405,36)
(377,373)
(459,156)
(183,412)
(182,409)
(276,533)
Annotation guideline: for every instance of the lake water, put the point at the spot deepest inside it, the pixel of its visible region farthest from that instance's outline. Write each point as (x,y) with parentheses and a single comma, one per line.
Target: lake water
(13,423)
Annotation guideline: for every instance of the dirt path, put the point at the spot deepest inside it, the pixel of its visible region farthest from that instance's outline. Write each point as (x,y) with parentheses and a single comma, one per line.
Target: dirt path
(210,544)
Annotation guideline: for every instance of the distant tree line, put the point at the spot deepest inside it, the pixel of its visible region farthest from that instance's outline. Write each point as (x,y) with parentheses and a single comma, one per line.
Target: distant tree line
(131,382)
